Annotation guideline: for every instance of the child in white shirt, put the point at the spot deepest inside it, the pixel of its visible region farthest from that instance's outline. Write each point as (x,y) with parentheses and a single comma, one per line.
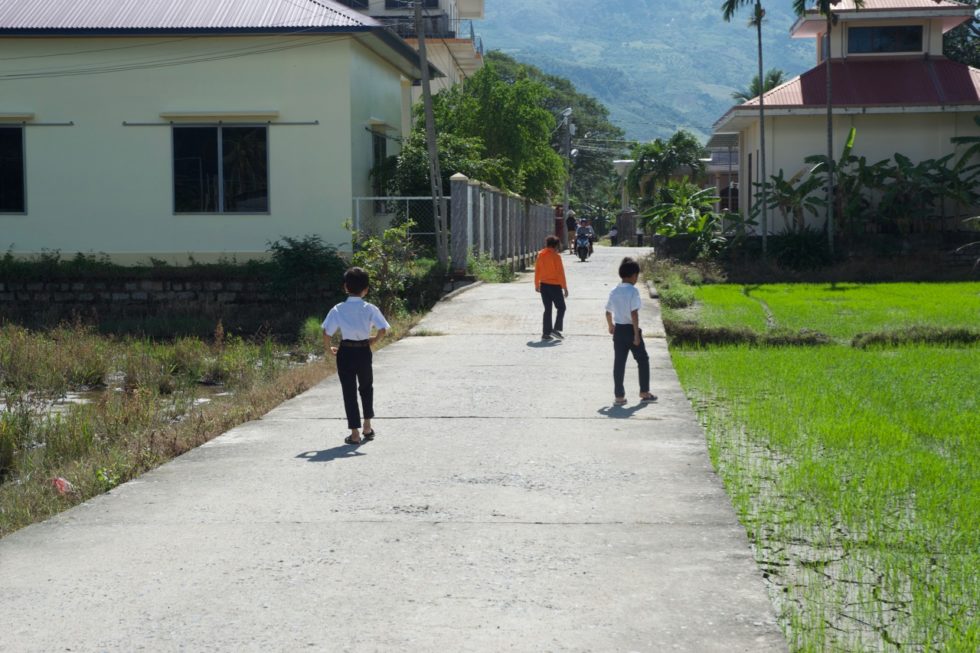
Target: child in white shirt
(354,319)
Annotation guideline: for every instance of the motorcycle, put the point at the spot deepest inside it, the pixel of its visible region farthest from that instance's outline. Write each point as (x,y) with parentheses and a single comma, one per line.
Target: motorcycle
(582,246)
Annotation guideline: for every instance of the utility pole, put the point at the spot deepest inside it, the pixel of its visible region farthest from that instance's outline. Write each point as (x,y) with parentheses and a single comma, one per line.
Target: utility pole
(567,151)
(435,174)
(759,15)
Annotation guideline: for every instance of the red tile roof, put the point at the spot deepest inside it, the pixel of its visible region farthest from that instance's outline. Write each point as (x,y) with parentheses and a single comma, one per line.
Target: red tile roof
(890,5)
(866,83)
(80,16)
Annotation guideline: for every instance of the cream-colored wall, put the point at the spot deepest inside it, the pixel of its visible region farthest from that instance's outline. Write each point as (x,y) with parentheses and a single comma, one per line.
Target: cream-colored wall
(99,186)
(789,139)
(379,99)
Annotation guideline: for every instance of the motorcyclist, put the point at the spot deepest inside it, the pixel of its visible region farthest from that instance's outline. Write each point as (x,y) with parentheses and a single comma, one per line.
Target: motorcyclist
(585,230)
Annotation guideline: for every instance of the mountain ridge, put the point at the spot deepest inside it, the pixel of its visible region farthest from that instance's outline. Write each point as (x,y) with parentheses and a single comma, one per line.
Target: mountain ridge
(658,65)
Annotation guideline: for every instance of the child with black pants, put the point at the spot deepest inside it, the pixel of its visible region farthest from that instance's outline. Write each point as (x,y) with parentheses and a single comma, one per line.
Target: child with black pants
(549,281)
(354,319)
(623,320)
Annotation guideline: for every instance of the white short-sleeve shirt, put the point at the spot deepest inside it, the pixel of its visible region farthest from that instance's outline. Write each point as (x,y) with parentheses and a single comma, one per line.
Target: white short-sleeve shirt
(623,300)
(354,319)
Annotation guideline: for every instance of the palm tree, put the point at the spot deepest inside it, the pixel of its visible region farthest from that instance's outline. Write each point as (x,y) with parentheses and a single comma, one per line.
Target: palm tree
(825,7)
(774,78)
(659,160)
(729,7)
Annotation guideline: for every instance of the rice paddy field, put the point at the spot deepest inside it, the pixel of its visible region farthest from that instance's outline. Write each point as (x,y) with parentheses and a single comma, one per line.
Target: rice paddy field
(856,472)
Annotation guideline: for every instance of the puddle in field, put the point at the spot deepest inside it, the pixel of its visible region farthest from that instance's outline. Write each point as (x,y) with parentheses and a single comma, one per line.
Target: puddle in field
(204,394)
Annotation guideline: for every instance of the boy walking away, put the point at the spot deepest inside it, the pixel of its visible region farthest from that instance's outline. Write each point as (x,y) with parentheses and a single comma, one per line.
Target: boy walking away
(354,319)
(549,280)
(623,319)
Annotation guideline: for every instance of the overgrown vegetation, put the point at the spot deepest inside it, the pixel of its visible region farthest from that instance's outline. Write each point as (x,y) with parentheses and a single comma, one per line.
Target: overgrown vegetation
(81,412)
(484,268)
(852,465)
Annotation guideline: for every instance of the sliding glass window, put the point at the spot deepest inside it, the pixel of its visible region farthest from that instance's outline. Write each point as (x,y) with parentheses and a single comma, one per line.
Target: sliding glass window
(221,169)
(12,195)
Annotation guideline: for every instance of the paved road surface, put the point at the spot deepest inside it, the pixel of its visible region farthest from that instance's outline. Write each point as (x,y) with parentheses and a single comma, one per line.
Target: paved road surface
(505,506)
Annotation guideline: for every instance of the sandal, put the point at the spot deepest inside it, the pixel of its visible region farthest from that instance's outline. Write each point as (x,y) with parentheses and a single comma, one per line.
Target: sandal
(350,440)
(367,437)
(620,401)
(648,397)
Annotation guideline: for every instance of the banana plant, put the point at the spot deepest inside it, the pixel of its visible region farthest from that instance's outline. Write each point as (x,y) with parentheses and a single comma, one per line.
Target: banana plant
(793,198)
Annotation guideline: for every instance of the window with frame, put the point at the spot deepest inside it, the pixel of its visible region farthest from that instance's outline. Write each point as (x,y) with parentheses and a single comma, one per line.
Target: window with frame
(12,195)
(379,155)
(221,169)
(884,39)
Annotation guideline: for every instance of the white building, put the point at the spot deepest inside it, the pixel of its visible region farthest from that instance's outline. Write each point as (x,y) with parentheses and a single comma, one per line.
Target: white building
(162,128)
(890,81)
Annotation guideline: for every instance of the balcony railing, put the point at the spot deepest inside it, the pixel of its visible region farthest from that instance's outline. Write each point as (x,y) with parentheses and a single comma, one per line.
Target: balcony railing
(436,27)
(409,4)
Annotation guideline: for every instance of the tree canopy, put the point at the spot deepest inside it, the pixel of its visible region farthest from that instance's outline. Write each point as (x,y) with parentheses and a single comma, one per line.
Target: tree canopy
(492,128)
(774,77)
(659,161)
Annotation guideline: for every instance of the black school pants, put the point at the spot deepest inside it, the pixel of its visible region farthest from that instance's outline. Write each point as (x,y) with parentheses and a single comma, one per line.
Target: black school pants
(623,346)
(356,376)
(552,294)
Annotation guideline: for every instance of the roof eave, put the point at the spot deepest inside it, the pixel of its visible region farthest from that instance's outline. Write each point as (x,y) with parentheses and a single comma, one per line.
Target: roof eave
(405,57)
(170,31)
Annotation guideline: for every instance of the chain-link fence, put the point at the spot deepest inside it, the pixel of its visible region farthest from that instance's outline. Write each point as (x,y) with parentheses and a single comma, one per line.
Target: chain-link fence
(372,215)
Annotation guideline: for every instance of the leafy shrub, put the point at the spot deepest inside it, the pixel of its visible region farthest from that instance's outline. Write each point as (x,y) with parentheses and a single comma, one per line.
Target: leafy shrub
(304,263)
(676,294)
(388,260)
(805,249)
(484,268)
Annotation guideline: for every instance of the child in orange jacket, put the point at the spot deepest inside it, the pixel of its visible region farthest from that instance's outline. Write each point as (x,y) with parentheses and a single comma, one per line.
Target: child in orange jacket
(549,280)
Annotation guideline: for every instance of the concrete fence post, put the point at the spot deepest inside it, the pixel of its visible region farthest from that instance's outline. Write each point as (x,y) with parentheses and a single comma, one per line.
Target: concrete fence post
(460,233)
(498,226)
(481,217)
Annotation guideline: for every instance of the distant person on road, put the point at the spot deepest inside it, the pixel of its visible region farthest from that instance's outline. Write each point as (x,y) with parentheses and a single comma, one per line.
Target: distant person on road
(549,280)
(585,230)
(354,319)
(614,235)
(639,233)
(570,225)
(623,320)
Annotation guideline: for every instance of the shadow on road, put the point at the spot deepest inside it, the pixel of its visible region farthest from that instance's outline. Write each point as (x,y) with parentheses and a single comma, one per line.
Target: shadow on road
(327,455)
(538,344)
(621,412)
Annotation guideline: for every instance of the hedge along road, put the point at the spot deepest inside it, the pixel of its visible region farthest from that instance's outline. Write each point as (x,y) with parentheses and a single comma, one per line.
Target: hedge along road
(503,506)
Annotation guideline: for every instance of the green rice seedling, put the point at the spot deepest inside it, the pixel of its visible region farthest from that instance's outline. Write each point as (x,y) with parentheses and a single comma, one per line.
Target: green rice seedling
(840,311)
(861,467)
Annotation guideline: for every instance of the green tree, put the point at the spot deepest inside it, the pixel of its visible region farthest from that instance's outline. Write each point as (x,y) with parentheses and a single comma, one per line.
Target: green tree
(729,7)
(510,121)
(598,140)
(408,172)
(658,161)
(962,44)
(774,78)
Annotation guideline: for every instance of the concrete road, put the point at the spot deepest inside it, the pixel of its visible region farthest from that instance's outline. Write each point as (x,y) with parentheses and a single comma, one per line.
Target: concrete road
(504,506)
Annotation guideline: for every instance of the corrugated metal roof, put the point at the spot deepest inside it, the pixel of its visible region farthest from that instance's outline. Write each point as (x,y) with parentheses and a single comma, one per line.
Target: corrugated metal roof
(895,82)
(178,15)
